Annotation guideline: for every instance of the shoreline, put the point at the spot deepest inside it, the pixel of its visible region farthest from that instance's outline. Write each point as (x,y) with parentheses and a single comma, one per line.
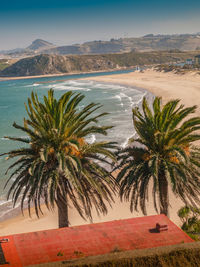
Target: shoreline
(167,85)
(60,74)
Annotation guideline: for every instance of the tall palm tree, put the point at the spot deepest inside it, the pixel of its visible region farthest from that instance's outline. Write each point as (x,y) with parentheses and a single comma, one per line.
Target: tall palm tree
(163,153)
(56,163)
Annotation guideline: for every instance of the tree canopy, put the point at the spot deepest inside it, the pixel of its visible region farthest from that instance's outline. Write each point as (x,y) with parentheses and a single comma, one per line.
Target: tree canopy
(164,153)
(57,164)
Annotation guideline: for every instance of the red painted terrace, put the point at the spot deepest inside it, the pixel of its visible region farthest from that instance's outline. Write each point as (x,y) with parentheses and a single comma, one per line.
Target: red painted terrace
(89,240)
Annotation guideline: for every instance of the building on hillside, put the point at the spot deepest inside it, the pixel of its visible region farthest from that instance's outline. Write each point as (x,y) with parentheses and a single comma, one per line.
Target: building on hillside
(67,244)
(197,60)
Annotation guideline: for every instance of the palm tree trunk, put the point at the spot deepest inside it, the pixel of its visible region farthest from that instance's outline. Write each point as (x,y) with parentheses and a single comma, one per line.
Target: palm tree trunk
(163,192)
(62,210)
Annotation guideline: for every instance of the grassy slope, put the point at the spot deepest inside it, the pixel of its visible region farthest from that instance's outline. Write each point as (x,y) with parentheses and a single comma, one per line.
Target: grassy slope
(3,64)
(140,58)
(182,255)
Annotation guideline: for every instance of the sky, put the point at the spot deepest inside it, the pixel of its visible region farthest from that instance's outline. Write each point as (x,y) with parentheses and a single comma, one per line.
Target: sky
(65,22)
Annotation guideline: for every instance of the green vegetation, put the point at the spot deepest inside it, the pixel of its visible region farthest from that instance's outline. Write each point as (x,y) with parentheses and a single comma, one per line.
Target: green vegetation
(165,155)
(57,164)
(191,221)
(3,64)
(178,69)
(144,58)
(187,255)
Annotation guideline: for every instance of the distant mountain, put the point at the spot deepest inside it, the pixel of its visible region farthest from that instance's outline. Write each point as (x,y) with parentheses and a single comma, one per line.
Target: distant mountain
(37,46)
(149,42)
(95,47)
(16,50)
(52,64)
(40,44)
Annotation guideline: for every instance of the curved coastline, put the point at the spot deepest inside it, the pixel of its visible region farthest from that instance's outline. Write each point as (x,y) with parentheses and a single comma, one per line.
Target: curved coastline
(5,78)
(166,85)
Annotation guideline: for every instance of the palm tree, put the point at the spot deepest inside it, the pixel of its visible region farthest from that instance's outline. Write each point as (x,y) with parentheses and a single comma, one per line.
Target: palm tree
(163,153)
(190,219)
(56,163)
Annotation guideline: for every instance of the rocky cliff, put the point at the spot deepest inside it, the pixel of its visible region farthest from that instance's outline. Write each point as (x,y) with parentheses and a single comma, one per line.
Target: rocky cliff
(54,64)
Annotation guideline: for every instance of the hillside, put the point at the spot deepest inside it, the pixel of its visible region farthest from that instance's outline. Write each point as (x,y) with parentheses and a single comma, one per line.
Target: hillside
(181,255)
(39,45)
(96,47)
(4,63)
(53,64)
(150,42)
(186,42)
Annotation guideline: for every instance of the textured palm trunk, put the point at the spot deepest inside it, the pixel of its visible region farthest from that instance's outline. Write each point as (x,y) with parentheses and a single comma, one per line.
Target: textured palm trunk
(62,210)
(163,192)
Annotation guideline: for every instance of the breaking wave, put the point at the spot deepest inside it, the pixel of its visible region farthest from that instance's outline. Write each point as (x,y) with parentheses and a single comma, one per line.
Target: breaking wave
(117,100)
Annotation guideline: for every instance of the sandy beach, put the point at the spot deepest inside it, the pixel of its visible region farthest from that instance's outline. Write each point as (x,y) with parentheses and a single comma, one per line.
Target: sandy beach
(4,78)
(33,77)
(168,86)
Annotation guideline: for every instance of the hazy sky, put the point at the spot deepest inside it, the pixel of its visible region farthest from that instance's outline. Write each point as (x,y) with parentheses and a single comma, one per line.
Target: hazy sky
(76,21)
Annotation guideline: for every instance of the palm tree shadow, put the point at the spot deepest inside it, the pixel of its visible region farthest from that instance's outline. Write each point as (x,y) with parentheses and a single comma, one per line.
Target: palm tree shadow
(154,230)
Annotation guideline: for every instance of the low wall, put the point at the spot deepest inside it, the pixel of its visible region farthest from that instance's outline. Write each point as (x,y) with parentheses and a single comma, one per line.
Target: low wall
(186,255)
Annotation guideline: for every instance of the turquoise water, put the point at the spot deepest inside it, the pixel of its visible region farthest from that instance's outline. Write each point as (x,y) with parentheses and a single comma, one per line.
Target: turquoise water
(118,100)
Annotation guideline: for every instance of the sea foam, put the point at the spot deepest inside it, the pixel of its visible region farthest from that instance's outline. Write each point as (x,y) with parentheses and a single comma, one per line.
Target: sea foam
(117,100)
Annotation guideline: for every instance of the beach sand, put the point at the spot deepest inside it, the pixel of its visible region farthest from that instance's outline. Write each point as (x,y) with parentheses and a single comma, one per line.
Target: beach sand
(168,86)
(5,78)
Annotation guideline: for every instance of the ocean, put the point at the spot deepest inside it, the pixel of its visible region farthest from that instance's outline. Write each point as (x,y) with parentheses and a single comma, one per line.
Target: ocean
(117,100)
